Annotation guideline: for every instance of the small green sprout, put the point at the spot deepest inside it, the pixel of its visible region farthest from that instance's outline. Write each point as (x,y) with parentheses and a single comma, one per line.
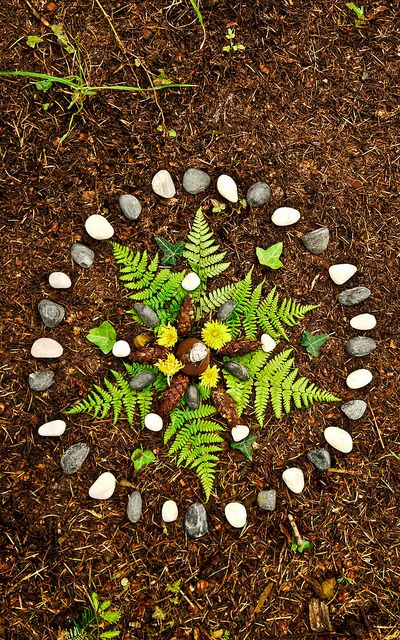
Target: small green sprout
(299,548)
(360,18)
(230,36)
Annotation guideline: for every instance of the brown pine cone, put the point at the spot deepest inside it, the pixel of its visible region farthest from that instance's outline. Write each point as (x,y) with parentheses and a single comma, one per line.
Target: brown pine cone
(173,394)
(149,355)
(239,347)
(186,316)
(225,406)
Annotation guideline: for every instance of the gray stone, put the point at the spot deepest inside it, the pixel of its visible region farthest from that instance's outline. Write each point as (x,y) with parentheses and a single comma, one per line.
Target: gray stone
(147,315)
(236,369)
(267,500)
(258,194)
(226,309)
(41,380)
(141,380)
(320,458)
(316,241)
(192,396)
(134,508)
(360,346)
(82,255)
(130,206)
(195,181)
(196,521)
(354,409)
(73,458)
(354,296)
(51,313)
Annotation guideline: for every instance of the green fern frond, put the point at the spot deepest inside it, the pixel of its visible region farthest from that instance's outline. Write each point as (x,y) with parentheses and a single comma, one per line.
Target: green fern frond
(273,314)
(217,297)
(197,442)
(201,251)
(144,400)
(239,390)
(242,295)
(250,318)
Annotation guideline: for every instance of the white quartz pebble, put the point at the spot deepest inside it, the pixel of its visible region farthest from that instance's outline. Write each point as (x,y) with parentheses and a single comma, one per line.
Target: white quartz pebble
(103,487)
(294,479)
(163,185)
(267,343)
(358,378)
(153,422)
(236,514)
(98,227)
(240,432)
(285,216)
(53,428)
(121,349)
(363,322)
(46,348)
(226,186)
(169,511)
(338,439)
(191,281)
(340,273)
(59,280)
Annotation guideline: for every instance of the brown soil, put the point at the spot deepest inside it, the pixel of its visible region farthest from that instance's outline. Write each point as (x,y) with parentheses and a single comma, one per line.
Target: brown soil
(311,107)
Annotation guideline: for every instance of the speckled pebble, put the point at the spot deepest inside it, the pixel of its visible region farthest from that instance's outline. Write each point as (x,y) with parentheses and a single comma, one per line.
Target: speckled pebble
(195,181)
(130,206)
(354,409)
(82,255)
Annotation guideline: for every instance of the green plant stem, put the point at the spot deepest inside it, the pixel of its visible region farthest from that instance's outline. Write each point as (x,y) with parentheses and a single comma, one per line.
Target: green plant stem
(200,19)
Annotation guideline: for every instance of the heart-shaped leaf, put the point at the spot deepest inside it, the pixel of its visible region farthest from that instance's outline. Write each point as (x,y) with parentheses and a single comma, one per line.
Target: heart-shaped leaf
(171,251)
(103,336)
(140,458)
(245,446)
(313,343)
(270,257)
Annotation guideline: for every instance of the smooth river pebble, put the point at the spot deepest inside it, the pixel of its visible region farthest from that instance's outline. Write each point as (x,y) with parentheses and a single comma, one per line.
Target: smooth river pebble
(358,378)
(82,255)
(240,432)
(294,479)
(121,349)
(130,206)
(191,281)
(59,280)
(192,396)
(103,487)
(316,241)
(363,322)
(195,181)
(320,458)
(339,439)
(134,507)
(146,314)
(354,409)
(53,428)
(141,380)
(169,511)
(46,348)
(98,227)
(267,343)
(226,186)
(153,422)
(196,524)
(340,273)
(360,346)
(163,185)
(236,514)
(51,313)
(73,458)
(258,194)
(285,216)
(354,296)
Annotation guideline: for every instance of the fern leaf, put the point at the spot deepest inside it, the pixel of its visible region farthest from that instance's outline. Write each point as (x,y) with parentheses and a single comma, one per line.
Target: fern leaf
(241,294)
(217,297)
(144,400)
(201,252)
(240,391)
(250,317)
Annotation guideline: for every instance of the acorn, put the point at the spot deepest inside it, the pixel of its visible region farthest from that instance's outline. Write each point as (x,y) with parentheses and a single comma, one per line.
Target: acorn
(194,355)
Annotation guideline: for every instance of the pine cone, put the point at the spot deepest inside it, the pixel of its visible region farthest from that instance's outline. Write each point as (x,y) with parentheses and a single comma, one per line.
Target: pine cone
(149,355)
(239,347)
(186,316)
(173,394)
(225,406)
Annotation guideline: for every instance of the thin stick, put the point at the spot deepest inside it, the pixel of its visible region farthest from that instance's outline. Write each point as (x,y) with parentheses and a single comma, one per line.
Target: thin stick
(296,533)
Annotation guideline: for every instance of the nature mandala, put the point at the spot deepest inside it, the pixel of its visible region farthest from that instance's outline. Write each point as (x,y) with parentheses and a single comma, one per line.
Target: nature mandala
(208,355)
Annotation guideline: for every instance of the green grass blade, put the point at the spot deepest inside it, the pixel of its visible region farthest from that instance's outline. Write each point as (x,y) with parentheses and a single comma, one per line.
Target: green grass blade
(200,19)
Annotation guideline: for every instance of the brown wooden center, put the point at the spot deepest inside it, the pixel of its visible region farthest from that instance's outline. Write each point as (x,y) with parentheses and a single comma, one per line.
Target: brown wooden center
(184,351)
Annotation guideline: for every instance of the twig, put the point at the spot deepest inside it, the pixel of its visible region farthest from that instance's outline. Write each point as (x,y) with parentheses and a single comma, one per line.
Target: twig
(38,16)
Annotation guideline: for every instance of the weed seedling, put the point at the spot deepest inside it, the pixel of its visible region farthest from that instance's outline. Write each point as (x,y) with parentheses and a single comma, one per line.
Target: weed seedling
(230,36)
(360,18)
(93,620)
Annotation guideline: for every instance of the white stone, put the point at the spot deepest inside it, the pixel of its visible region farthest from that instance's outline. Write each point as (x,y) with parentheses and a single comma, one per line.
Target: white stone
(285,216)
(267,343)
(236,514)
(226,186)
(153,422)
(53,428)
(59,280)
(98,227)
(121,349)
(191,281)
(363,322)
(338,439)
(340,273)
(103,487)
(240,432)
(163,185)
(46,348)
(358,378)
(169,511)
(294,479)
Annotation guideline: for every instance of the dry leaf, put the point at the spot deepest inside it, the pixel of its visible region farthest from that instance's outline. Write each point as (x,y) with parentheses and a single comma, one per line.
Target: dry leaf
(265,594)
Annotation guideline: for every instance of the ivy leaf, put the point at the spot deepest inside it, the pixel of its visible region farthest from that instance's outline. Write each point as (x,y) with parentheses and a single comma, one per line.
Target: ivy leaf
(171,251)
(140,458)
(32,41)
(313,343)
(103,336)
(270,257)
(245,446)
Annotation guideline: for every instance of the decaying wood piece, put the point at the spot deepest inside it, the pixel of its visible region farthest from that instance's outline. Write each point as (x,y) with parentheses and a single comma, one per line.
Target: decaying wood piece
(319,615)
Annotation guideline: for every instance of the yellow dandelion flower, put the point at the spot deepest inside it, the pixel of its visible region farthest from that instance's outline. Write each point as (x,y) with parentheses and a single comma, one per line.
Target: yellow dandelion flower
(215,334)
(170,366)
(209,378)
(167,336)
